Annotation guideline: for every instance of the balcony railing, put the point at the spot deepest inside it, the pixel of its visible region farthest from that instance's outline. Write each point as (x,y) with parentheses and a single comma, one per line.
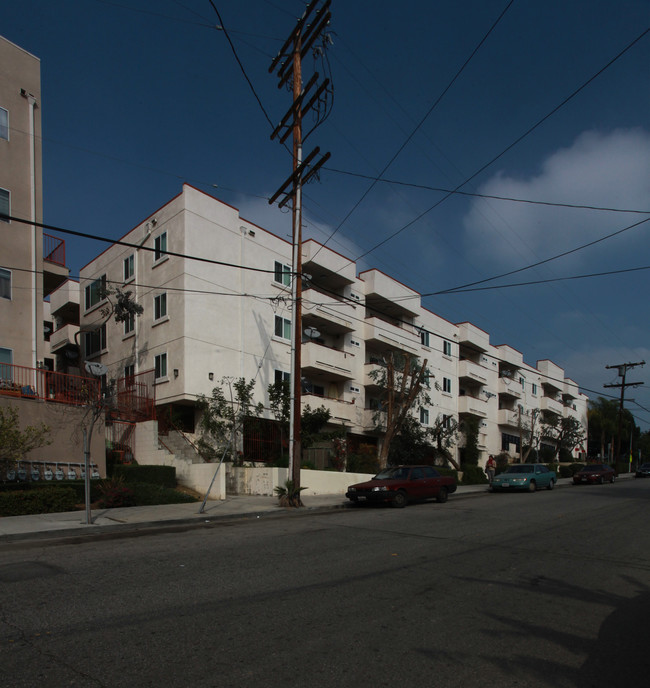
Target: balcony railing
(53,249)
(38,383)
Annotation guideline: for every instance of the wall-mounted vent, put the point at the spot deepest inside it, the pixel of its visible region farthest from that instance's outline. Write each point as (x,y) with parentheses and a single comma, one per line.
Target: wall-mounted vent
(354,342)
(355,389)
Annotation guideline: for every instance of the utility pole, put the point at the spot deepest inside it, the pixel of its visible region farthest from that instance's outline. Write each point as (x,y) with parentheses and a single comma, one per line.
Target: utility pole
(289,64)
(622,372)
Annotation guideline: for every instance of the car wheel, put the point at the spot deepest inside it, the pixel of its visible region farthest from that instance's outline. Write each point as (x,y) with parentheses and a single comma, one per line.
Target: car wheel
(400,499)
(613,479)
(551,485)
(442,495)
(532,486)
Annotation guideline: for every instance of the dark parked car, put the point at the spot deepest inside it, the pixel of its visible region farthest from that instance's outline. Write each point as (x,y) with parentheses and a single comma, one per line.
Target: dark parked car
(401,484)
(643,471)
(595,473)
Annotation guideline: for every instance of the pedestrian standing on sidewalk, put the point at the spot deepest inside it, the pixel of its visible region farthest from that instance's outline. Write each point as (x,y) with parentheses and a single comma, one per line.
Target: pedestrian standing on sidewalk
(490,468)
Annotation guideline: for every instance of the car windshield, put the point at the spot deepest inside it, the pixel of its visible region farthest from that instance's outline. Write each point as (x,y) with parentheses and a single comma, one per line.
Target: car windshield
(591,469)
(393,474)
(521,469)
(645,465)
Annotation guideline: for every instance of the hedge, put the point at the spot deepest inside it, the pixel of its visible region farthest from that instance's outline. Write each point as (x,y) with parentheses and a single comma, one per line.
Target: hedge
(50,499)
(165,476)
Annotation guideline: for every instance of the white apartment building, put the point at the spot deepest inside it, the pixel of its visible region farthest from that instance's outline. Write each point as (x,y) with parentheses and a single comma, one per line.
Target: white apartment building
(207,318)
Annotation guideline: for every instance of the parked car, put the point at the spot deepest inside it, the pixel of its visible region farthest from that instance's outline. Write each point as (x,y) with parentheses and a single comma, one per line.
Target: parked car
(524,476)
(402,484)
(594,473)
(643,471)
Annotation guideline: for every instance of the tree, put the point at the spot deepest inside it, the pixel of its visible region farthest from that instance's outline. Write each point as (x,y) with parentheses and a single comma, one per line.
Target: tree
(14,442)
(530,432)
(223,415)
(566,433)
(470,452)
(603,422)
(401,380)
(312,421)
(444,433)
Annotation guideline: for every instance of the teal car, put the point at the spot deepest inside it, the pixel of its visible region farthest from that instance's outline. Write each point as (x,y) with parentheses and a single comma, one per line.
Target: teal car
(524,476)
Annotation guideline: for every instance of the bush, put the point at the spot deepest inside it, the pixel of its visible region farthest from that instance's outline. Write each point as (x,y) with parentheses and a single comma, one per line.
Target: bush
(48,500)
(570,470)
(473,475)
(147,494)
(165,476)
(362,463)
(115,494)
(443,470)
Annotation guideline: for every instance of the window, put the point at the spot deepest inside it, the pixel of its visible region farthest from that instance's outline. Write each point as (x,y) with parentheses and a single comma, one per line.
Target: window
(160,247)
(424,416)
(522,382)
(129,324)
(282,274)
(446,421)
(424,337)
(6,361)
(281,376)
(534,389)
(5,206)
(446,385)
(160,366)
(282,327)
(129,370)
(129,267)
(95,342)
(5,284)
(160,306)
(95,292)
(4,124)
(446,348)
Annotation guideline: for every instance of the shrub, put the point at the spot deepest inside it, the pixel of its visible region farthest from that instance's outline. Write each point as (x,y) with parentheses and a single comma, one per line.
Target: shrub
(164,476)
(443,470)
(46,500)
(362,463)
(570,470)
(115,494)
(473,475)
(147,494)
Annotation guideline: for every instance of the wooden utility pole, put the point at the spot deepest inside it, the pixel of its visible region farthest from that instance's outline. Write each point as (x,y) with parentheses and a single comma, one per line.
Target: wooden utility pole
(289,64)
(622,372)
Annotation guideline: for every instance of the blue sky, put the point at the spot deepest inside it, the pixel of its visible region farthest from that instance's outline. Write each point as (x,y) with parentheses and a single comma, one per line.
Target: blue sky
(139,96)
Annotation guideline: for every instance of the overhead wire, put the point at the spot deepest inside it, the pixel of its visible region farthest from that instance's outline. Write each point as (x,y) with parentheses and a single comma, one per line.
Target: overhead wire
(420,123)
(509,147)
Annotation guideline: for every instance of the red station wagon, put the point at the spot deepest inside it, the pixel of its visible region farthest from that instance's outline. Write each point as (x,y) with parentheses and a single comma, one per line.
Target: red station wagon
(401,484)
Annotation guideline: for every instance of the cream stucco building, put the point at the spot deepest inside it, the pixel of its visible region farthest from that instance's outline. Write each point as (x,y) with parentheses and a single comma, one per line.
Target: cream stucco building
(205,317)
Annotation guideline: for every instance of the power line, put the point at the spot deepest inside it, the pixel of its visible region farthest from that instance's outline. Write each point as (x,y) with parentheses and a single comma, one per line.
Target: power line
(509,147)
(457,192)
(418,125)
(119,242)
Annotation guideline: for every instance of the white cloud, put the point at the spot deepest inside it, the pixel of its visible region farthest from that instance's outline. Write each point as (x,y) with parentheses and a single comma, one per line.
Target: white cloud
(599,169)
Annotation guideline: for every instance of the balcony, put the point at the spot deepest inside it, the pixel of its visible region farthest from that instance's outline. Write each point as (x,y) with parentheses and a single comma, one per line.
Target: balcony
(341,412)
(508,417)
(329,314)
(473,337)
(37,383)
(325,363)
(552,406)
(384,336)
(54,269)
(509,357)
(64,336)
(472,371)
(472,406)
(553,373)
(368,380)
(64,302)
(327,268)
(509,388)
(389,296)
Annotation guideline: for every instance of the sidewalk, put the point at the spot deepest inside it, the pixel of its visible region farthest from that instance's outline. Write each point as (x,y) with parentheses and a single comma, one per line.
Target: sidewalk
(138,518)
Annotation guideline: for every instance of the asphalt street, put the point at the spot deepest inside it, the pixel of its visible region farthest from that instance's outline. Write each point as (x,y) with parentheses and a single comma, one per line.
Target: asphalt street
(544,589)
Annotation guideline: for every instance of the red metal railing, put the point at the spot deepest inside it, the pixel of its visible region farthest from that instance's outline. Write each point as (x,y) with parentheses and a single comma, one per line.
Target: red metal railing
(37,383)
(136,397)
(53,249)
